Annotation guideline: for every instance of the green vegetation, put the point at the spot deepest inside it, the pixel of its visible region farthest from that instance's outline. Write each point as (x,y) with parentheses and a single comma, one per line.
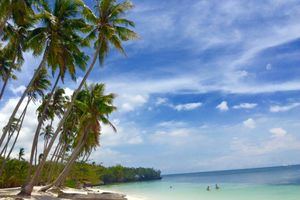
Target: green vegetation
(81,174)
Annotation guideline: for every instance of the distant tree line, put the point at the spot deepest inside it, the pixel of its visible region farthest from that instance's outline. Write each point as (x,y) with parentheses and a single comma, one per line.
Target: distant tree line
(81,174)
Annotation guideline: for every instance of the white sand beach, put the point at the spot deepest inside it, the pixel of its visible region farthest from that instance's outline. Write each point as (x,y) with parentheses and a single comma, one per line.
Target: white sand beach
(11,193)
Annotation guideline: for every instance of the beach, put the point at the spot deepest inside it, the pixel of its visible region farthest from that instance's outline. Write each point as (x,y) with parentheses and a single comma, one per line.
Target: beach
(11,193)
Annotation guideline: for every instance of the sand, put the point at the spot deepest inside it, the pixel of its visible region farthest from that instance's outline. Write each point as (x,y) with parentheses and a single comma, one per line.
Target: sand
(10,193)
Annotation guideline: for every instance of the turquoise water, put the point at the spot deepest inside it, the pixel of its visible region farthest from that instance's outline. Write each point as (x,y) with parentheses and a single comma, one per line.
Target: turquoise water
(280,183)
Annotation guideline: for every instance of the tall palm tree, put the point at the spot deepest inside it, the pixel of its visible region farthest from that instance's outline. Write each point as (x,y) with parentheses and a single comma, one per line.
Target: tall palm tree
(40,84)
(64,52)
(21,154)
(108,28)
(93,108)
(57,39)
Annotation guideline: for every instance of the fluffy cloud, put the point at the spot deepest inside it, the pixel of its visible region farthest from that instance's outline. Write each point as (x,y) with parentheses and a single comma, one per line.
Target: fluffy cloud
(187,106)
(284,108)
(278,132)
(245,106)
(131,102)
(127,134)
(249,123)
(223,106)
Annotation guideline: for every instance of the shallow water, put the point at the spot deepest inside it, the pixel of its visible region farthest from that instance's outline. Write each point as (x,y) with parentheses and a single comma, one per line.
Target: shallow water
(280,183)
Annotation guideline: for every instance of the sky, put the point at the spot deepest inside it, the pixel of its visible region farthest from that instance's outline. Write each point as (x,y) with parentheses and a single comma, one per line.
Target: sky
(208,86)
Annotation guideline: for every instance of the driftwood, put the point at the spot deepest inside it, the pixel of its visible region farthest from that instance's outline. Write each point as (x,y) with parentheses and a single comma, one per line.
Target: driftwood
(94,196)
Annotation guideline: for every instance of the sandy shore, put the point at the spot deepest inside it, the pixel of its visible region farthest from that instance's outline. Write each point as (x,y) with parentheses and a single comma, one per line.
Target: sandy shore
(10,193)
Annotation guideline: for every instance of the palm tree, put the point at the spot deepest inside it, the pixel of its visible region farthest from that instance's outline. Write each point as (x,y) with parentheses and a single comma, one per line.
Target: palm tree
(21,154)
(58,40)
(107,28)
(63,49)
(40,84)
(93,107)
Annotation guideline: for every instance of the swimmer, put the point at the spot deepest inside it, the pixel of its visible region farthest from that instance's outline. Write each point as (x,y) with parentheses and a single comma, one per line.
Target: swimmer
(207,189)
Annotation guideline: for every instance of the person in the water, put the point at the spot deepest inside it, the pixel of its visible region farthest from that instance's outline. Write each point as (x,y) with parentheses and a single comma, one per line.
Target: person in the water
(207,189)
(217,187)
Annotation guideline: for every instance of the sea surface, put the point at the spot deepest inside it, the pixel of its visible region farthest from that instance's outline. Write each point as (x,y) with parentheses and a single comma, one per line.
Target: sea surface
(273,183)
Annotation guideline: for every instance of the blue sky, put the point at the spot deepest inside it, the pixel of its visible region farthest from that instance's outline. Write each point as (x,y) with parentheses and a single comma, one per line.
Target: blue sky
(208,86)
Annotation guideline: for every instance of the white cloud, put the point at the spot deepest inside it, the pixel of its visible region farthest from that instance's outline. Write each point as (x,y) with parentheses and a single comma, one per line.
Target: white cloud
(278,132)
(172,124)
(127,134)
(249,123)
(223,106)
(284,108)
(160,101)
(171,137)
(187,106)
(18,90)
(245,106)
(131,102)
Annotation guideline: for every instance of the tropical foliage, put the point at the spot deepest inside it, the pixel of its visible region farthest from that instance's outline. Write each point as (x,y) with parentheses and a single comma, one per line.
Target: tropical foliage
(59,33)
(81,173)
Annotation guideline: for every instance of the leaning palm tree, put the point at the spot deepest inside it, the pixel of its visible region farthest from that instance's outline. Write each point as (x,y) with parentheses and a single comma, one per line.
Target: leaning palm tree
(108,28)
(57,39)
(21,154)
(93,108)
(40,84)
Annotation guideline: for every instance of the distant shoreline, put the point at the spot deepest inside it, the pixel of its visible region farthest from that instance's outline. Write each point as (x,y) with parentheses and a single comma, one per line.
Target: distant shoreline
(233,170)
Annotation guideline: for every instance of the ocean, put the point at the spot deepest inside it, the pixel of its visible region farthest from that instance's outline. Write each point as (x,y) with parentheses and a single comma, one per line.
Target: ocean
(273,183)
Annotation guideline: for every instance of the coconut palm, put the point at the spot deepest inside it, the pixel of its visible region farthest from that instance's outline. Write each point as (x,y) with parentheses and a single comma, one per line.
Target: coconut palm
(57,39)
(21,154)
(108,28)
(93,108)
(40,84)
(63,49)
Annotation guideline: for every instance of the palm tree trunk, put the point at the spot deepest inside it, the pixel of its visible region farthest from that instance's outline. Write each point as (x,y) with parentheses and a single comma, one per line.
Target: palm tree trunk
(52,161)
(3,87)
(54,164)
(23,96)
(22,117)
(38,130)
(68,166)
(28,188)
